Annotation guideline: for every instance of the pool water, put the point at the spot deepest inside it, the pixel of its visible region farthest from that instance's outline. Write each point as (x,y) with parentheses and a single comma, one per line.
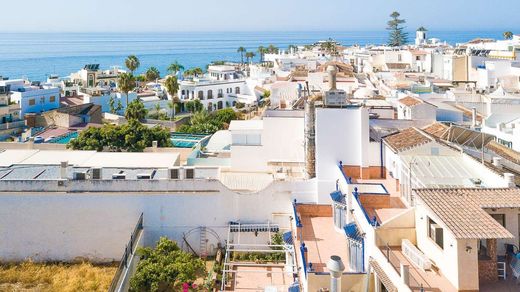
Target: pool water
(64,139)
(185,140)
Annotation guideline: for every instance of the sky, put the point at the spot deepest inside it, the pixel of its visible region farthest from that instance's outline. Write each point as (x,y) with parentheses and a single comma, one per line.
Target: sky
(251,15)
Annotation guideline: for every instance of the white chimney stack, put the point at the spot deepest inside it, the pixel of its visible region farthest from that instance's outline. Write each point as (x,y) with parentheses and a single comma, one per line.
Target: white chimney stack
(63,169)
(510,179)
(497,162)
(332,76)
(336,268)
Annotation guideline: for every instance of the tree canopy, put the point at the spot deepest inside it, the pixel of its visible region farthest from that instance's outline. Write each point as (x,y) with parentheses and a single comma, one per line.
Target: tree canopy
(175,68)
(135,111)
(132,63)
(203,122)
(508,35)
(132,137)
(126,84)
(165,268)
(398,36)
(152,74)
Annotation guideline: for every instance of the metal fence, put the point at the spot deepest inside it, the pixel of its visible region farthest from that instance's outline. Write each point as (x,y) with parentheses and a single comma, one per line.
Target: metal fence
(129,251)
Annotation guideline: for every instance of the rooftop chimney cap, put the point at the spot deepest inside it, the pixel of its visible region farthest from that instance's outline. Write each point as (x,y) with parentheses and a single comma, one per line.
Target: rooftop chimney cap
(335,264)
(331,68)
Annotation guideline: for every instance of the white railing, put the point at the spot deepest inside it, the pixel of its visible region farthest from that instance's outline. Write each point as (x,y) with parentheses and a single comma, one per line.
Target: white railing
(416,256)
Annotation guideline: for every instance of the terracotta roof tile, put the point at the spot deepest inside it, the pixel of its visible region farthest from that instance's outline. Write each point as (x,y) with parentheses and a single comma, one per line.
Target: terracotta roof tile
(436,129)
(462,210)
(382,276)
(406,139)
(411,101)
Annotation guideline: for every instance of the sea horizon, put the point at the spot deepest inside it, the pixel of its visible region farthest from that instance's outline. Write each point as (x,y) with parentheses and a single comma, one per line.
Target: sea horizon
(36,55)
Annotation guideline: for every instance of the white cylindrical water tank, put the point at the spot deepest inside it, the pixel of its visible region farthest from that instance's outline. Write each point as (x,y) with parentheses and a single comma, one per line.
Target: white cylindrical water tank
(510,179)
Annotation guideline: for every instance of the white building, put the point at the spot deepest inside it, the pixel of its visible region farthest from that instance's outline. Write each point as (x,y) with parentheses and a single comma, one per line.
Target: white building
(33,98)
(221,87)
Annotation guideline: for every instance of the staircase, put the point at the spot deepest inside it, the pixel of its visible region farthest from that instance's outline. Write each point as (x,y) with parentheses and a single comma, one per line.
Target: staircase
(203,247)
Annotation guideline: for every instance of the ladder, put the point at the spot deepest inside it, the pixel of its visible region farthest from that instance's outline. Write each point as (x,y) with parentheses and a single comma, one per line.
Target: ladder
(203,250)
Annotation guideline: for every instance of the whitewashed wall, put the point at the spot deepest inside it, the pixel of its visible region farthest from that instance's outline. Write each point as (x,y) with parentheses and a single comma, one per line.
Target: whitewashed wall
(65,226)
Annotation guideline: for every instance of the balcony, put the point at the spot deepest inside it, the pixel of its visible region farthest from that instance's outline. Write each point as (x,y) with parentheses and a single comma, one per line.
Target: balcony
(428,280)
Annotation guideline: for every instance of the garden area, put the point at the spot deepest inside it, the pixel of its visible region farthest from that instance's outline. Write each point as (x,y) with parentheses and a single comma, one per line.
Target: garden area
(29,276)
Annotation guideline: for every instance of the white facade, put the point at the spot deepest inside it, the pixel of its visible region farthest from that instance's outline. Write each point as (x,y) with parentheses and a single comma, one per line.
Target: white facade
(33,99)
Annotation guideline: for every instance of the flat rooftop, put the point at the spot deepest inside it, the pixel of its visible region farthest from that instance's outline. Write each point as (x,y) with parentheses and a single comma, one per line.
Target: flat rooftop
(89,158)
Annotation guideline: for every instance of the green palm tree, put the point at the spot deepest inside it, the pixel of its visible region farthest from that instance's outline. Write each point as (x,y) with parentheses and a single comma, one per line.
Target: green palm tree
(241,50)
(197,71)
(272,49)
(508,35)
(157,109)
(152,74)
(250,56)
(172,86)
(126,84)
(171,105)
(175,68)
(132,63)
(293,47)
(261,50)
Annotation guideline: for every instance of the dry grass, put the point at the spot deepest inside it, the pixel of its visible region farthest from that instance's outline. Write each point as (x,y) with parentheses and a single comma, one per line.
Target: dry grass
(30,276)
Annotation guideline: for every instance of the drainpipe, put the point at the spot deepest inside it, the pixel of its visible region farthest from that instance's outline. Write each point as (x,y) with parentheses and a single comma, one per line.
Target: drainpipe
(336,268)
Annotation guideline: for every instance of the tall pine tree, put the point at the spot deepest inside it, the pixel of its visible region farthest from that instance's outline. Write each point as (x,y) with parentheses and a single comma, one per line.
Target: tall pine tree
(398,36)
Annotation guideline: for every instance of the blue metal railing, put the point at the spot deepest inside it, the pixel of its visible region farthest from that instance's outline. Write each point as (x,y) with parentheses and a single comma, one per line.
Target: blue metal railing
(296,217)
(371,221)
(129,250)
(303,250)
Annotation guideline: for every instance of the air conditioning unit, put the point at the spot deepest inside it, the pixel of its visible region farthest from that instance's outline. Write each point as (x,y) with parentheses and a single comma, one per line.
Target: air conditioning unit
(174,173)
(95,173)
(190,173)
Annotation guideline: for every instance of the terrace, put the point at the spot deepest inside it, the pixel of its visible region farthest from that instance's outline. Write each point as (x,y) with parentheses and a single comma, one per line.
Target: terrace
(319,237)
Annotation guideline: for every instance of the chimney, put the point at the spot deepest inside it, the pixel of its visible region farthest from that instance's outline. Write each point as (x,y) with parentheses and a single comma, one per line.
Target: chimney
(63,169)
(473,118)
(497,162)
(336,268)
(310,139)
(332,76)
(510,179)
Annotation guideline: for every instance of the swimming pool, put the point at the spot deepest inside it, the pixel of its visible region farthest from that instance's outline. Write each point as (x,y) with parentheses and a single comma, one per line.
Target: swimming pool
(64,139)
(186,140)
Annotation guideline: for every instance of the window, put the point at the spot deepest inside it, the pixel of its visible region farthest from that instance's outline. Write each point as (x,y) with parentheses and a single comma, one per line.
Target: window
(32,101)
(220,93)
(435,233)
(210,94)
(501,218)
(237,90)
(200,95)
(417,58)
(52,99)
(399,58)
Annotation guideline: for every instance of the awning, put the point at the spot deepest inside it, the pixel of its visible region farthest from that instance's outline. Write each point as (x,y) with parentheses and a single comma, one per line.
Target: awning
(288,238)
(338,197)
(352,232)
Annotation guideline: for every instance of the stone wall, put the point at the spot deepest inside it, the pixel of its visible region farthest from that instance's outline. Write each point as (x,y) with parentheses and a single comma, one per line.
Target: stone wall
(487,268)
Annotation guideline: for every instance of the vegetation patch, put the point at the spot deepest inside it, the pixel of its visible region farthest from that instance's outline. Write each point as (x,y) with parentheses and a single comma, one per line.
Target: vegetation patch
(55,277)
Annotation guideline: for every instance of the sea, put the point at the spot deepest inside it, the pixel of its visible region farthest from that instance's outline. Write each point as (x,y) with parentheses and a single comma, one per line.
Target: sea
(35,56)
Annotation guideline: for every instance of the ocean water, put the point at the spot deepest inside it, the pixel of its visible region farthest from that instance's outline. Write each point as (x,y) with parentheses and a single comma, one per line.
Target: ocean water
(37,55)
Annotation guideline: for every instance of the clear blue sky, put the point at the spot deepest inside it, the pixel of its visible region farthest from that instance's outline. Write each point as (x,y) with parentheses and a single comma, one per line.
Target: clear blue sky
(244,15)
